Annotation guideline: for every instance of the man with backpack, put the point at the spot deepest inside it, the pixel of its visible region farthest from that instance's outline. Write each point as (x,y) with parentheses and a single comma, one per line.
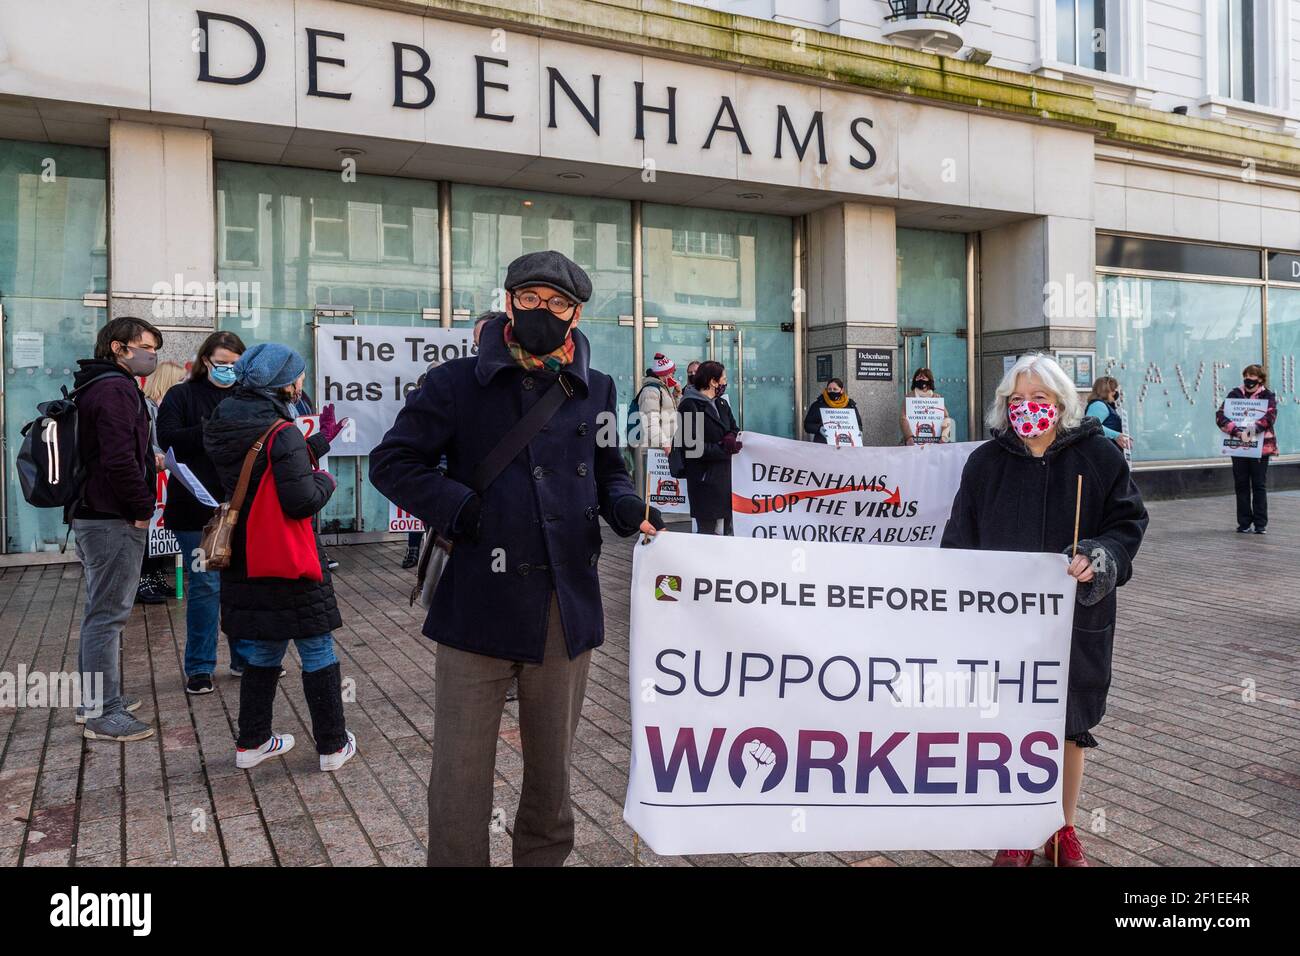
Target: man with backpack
(111,514)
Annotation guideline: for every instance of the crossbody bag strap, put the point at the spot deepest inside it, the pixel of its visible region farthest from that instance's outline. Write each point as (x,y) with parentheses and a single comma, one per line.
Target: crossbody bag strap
(246,472)
(517,439)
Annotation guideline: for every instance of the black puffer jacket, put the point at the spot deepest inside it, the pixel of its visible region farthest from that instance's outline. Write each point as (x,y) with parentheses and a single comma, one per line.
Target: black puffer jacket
(1011,501)
(181,415)
(270,609)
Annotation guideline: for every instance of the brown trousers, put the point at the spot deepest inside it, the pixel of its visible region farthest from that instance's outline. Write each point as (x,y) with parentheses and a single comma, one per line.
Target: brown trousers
(469,698)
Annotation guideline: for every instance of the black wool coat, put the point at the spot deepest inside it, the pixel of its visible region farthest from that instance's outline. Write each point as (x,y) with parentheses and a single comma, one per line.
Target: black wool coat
(181,415)
(270,609)
(1011,501)
(539,528)
(702,424)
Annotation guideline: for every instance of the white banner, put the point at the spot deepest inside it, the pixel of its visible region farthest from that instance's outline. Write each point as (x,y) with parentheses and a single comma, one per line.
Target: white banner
(787,700)
(367,371)
(840,428)
(803,491)
(1244,413)
(667,493)
(162,540)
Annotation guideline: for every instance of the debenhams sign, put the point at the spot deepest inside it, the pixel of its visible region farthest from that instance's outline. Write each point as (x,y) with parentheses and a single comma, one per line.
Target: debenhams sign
(578,91)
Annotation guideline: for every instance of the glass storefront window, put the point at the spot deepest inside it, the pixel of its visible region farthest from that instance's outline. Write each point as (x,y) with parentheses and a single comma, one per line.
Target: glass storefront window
(53,250)
(492,227)
(1283,352)
(298,240)
(1176,348)
(932,317)
(720,285)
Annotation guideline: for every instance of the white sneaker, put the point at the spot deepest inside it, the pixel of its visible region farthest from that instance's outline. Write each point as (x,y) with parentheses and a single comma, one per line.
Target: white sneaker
(275,746)
(331,762)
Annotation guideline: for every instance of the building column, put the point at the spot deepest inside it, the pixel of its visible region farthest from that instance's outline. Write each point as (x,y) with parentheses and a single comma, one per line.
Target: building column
(853,304)
(162,231)
(1037,292)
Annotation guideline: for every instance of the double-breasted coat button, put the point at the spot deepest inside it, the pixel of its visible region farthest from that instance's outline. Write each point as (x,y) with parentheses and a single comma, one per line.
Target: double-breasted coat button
(524,569)
(582,428)
(594,559)
(590,513)
(528,383)
(538,472)
(582,469)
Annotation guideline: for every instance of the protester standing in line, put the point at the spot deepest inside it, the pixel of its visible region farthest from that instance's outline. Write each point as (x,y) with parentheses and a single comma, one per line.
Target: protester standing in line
(111,519)
(1250,475)
(520,595)
(923,387)
(709,437)
(1103,404)
(185,410)
(153,587)
(1018,493)
(657,404)
(261,615)
(834,396)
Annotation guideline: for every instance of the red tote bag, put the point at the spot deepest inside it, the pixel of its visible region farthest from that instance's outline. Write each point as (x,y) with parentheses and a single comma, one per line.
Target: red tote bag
(276,545)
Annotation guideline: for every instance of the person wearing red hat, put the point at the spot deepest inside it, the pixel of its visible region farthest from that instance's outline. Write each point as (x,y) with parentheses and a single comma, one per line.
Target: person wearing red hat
(657,402)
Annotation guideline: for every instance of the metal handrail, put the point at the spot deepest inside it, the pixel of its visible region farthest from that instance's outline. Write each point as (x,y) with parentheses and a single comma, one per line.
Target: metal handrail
(954,11)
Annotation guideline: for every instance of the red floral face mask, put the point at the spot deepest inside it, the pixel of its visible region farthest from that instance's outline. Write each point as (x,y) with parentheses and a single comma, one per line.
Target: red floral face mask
(1029,419)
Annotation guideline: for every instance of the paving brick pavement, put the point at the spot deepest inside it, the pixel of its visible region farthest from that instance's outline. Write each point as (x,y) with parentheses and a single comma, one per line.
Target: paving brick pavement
(1189,771)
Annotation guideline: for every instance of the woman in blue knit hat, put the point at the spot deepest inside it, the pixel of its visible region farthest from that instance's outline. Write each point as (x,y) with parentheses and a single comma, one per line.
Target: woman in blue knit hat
(262,614)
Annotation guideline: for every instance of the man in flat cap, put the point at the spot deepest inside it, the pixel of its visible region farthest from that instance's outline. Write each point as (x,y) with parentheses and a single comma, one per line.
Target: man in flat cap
(525,485)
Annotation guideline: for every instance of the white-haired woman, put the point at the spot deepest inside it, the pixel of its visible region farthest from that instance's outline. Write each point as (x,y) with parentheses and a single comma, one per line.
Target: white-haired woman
(1018,494)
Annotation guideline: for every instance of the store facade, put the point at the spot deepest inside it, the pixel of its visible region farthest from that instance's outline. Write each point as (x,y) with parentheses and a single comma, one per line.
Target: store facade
(793,208)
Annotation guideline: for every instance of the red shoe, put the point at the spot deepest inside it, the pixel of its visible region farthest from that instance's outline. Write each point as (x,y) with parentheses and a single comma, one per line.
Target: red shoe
(1014,858)
(1064,849)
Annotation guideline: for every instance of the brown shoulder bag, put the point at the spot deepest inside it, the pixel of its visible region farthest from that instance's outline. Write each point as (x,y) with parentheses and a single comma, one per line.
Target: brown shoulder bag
(218,534)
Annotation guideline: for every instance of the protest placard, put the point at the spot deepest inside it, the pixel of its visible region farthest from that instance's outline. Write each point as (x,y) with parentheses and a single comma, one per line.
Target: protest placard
(367,371)
(785,699)
(925,417)
(667,493)
(840,428)
(403,521)
(803,491)
(1244,413)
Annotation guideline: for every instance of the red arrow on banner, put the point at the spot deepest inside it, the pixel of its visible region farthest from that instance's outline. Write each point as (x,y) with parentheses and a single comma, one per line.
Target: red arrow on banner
(743,505)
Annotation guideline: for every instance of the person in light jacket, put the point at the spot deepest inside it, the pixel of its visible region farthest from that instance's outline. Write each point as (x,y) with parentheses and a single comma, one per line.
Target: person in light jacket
(657,404)
(1017,493)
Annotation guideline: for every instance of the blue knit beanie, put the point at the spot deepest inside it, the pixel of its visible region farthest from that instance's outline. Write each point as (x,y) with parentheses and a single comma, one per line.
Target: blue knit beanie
(269,365)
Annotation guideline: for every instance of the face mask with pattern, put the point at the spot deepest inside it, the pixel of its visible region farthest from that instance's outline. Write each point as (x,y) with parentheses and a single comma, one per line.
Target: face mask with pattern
(1031,419)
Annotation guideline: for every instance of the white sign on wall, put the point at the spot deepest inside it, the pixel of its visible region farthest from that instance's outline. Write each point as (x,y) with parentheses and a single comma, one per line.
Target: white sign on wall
(785,702)
(803,491)
(367,371)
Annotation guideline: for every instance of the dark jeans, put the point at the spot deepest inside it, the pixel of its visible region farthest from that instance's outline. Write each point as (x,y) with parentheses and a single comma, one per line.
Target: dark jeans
(1250,479)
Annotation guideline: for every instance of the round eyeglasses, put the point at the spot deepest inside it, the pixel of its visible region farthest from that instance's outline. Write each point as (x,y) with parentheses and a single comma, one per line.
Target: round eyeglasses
(558,304)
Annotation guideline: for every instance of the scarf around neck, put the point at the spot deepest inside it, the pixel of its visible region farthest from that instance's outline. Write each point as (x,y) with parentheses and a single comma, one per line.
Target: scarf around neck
(552,361)
(840,402)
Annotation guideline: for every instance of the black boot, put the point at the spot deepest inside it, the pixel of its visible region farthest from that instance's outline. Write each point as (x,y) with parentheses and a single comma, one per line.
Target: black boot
(412,558)
(256,698)
(324,691)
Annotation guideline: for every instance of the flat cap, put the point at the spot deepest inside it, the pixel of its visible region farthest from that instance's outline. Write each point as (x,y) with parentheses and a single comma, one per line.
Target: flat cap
(551,269)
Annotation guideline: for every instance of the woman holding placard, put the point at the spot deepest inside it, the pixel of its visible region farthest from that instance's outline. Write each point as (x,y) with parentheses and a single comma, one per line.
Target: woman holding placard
(835,397)
(1051,481)
(924,432)
(1249,474)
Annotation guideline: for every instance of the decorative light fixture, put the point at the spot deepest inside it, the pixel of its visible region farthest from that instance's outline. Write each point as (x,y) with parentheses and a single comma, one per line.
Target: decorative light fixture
(349,152)
(570,175)
(749,195)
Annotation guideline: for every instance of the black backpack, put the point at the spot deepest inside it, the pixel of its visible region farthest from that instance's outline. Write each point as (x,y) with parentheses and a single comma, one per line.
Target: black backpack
(49,461)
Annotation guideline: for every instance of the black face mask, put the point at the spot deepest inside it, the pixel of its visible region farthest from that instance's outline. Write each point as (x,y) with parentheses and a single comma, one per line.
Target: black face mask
(539,331)
(1251,384)
(722,390)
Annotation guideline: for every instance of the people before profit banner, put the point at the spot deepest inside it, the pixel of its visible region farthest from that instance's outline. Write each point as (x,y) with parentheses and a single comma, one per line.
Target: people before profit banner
(366,372)
(795,697)
(803,491)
